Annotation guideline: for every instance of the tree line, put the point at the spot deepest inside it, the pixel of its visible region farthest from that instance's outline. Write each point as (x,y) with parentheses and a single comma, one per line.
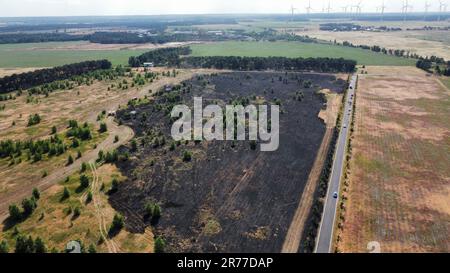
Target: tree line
(393,52)
(136,38)
(172,57)
(43,76)
(160,57)
(19,38)
(271,63)
(54,146)
(428,64)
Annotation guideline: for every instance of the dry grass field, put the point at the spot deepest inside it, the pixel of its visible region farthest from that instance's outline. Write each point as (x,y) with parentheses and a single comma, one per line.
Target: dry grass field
(399,192)
(55,222)
(84,103)
(420,42)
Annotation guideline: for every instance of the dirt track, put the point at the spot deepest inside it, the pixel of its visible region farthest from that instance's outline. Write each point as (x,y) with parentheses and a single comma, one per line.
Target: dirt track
(125,134)
(16,194)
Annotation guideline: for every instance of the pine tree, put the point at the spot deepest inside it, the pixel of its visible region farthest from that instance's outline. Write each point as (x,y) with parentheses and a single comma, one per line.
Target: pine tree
(160,244)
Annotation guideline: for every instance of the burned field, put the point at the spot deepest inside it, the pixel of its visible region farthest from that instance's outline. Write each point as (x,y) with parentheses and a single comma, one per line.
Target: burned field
(225,196)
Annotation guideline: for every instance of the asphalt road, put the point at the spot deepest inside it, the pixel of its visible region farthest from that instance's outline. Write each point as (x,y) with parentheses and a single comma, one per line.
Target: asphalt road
(325,236)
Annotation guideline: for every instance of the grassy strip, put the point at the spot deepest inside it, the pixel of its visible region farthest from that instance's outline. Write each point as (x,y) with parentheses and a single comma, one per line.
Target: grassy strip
(345,184)
(309,236)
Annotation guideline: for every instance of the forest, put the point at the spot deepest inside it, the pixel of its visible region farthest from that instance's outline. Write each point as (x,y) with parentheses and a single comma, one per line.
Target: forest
(43,76)
(135,38)
(18,38)
(171,57)
(160,57)
(271,63)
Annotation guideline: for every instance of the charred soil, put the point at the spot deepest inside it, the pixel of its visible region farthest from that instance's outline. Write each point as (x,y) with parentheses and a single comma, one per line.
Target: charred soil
(228,197)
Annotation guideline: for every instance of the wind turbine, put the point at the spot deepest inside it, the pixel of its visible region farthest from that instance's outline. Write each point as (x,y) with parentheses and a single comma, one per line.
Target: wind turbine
(344,9)
(382,8)
(405,9)
(308,8)
(427,6)
(358,8)
(442,8)
(328,9)
(292,12)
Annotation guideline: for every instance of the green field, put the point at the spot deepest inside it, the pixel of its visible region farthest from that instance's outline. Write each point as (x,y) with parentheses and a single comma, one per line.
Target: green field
(297,49)
(46,55)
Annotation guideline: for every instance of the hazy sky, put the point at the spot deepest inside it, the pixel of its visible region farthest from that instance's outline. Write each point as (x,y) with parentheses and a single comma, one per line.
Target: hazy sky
(153,7)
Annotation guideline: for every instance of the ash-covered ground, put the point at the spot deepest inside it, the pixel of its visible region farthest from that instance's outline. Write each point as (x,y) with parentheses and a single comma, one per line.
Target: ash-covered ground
(228,197)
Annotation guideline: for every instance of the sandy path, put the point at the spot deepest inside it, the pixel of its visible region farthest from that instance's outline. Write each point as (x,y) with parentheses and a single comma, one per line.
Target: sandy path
(102,220)
(125,135)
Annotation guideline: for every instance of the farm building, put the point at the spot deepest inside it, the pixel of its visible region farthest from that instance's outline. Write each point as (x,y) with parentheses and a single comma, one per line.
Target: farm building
(149,65)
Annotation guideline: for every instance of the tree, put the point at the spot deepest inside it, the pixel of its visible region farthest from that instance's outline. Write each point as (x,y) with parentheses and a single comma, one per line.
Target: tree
(116,139)
(83,167)
(156,211)
(28,205)
(149,207)
(114,186)
(66,194)
(54,130)
(43,76)
(103,127)
(14,212)
(36,194)
(75,143)
(101,155)
(160,244)
(84,181)
(33,120)
(92,249)
(4,248)
(39,246)
(117,224)
(187,156)
(76,212)
(70,160)
(24,245)
(89,197)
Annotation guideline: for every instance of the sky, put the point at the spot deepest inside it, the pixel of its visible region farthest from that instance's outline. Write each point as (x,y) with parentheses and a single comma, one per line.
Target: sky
(13,8)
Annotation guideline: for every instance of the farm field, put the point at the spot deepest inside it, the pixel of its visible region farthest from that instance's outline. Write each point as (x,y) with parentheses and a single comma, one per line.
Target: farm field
(399,172)
(296,49)
(59,53)
(52,54)
(227,196)
(424,43)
